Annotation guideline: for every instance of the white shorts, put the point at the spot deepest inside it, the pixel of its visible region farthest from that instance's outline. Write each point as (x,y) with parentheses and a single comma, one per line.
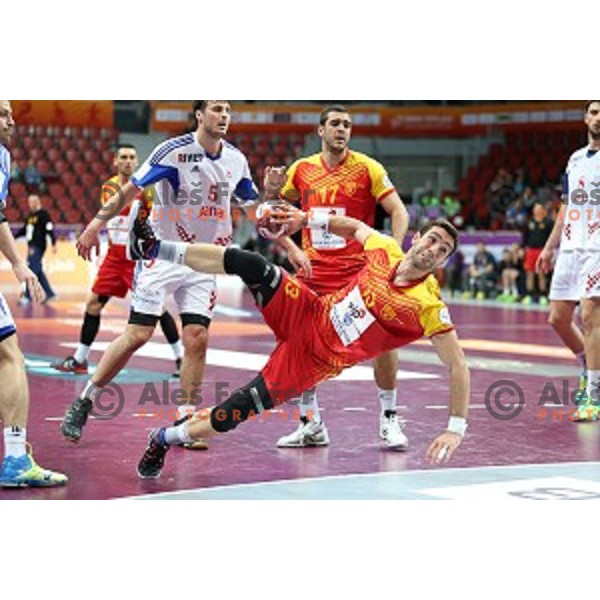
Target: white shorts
(590,275)
(576,276)
(7,323)
(567,276)
(194,293)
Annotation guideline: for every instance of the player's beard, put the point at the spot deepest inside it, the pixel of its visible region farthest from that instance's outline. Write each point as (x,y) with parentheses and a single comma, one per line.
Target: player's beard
(6,135)
(594,133)
(420,263)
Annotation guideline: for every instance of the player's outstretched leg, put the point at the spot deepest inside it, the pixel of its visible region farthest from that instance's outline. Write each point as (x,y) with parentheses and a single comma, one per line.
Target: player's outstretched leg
(249,400)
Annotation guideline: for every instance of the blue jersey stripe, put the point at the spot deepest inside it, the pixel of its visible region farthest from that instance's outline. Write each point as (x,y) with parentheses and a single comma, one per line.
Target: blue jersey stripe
(162,151)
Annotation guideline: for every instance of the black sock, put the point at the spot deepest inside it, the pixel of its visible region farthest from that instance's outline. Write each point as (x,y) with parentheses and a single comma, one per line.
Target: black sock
(167,324)
(89,329)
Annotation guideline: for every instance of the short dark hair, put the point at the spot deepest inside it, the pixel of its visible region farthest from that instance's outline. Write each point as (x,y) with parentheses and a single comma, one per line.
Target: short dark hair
(446,226)
(119,147)
(199,105)
(331,109)
(589,103)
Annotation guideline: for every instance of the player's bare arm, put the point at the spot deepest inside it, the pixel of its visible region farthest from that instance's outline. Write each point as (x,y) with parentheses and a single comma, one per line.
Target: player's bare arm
(544,261)
(8,247)
(89,239)
(452,356)
(394,207)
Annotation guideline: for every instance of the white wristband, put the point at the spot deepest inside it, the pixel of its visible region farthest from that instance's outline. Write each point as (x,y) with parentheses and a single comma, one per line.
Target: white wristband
(457,425)
(318,220)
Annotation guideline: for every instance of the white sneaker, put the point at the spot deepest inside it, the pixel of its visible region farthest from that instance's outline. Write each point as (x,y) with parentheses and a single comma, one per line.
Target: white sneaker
(307,434)
(390,430)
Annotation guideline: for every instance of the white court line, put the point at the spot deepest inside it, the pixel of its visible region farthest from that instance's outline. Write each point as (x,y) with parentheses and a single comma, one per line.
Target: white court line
(354,409)
(440,406)
(251,361)
(356,475)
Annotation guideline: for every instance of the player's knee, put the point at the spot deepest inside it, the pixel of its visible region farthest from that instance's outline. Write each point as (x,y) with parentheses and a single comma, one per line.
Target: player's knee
(195,340)
(137,335)
(590,316)
(248,401)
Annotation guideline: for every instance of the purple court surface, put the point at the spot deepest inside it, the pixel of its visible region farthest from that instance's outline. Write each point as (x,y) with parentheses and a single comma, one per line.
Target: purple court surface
(520,445)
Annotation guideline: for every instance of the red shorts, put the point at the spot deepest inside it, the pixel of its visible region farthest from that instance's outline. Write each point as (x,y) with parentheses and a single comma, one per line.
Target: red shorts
(115,275)
(323,283)
(531,256)
(293,314)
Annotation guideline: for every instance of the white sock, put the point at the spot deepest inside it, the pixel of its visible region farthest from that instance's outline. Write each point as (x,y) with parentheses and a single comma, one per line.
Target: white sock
(172,252)
(581,360)
(309,407)
(506,291)
(88,390)
(387,399)
(178,435)
(15,439)
(593,386)
(185,409)
(177,348)
(81,353)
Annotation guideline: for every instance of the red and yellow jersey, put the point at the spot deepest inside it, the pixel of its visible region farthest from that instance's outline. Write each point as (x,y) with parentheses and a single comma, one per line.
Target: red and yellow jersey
(117,226)
(372,315)
(353,188)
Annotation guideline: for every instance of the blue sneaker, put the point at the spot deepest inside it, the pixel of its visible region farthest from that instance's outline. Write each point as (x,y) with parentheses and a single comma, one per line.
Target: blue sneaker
(24,472)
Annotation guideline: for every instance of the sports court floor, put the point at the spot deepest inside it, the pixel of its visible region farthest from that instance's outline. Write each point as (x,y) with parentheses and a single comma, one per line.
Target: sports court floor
(538,454)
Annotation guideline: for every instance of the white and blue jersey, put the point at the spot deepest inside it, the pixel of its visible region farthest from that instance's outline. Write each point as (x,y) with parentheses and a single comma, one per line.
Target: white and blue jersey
(581,187)
(193,195)
(4,175)
(7,323)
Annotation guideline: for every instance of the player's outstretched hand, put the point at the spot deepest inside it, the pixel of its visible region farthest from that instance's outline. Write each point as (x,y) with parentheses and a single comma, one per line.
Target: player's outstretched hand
(443,447)
(26,276)
(543,264)
(86,243)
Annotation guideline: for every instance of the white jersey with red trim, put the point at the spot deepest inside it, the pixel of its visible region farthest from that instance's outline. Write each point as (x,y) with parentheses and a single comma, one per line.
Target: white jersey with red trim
(193,195)
(581,228)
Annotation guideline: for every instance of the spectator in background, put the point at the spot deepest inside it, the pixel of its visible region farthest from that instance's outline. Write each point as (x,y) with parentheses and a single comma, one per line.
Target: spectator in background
(32,177)
(454,272)
(451,206)
(520,182)
(37,230)
(535,235)
(482,273)
(15,173)
(510,270)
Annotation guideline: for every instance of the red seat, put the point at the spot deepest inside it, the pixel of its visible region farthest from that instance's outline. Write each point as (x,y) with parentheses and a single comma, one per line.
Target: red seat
(69,178)
(43,166)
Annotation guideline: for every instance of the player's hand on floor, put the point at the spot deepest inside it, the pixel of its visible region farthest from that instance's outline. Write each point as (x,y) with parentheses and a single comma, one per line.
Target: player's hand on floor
(441,449)
(26,276)
(86,243)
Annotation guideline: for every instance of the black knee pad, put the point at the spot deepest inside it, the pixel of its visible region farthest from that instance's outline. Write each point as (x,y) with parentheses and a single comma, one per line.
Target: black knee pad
(262,277)
(253,398)
(102,300)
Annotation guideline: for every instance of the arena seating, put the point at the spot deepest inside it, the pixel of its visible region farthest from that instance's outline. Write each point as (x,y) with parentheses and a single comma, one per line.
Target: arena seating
(542,154)
(73,163)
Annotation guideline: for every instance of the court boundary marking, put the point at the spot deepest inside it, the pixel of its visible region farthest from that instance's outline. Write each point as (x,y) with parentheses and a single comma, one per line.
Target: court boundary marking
(258,484)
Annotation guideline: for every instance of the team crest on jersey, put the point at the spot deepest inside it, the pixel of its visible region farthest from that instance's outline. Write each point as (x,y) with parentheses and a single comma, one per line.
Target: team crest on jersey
(444,316)
(388,313)
(350,188)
